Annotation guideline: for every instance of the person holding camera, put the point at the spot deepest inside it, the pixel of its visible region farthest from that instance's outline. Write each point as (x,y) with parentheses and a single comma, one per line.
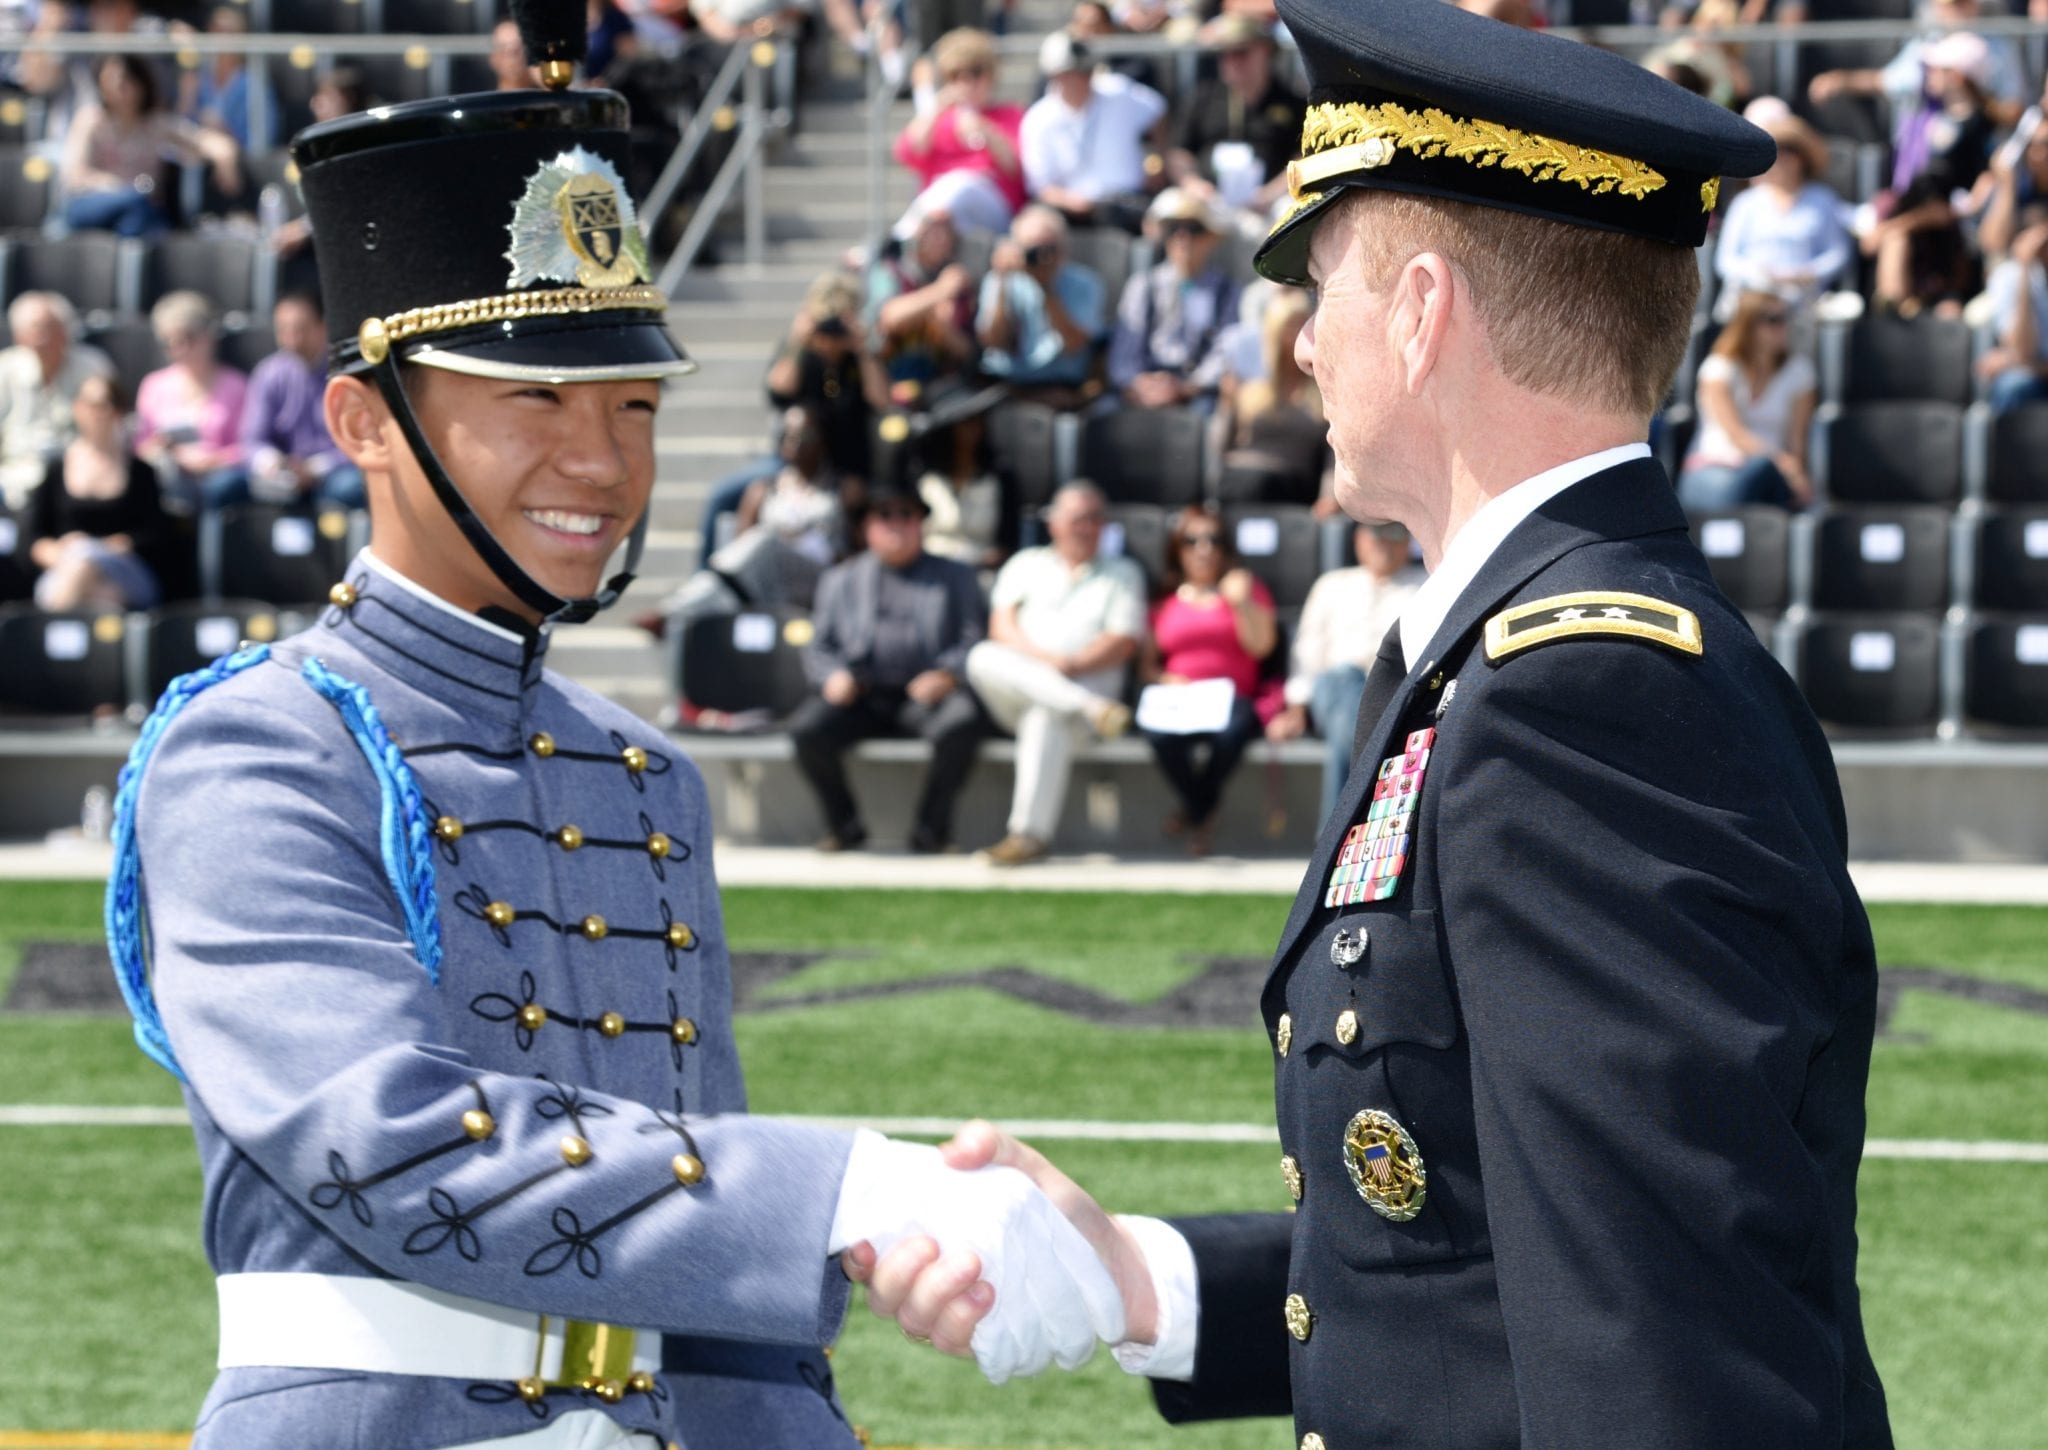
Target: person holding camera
(1040,313)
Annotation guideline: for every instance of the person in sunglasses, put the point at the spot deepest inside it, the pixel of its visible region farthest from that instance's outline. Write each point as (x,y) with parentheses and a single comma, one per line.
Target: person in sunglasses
(1165,350)
(1756,397)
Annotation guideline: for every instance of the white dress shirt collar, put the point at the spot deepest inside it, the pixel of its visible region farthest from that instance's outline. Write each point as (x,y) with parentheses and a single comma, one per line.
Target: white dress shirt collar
(427,596)
(1471,546)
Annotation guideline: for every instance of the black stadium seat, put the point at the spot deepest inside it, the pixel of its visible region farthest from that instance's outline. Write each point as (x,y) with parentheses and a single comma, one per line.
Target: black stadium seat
(17,577)
(221,268)
(740,663)
(1105,251)
(1746,549)
(85,267)
(1279,543)
(1872,672)
(276,554)
(408,76)
(25,183)
(310,17)
(60,663)
(1889,452)
(134,349)
(244,347)
(2015,463)
(434,17)
(1145,455)
(180,638)
(1879,359)
(1138,532)
(2005,673)
(2012,560)
(1023,453)
(1896,558)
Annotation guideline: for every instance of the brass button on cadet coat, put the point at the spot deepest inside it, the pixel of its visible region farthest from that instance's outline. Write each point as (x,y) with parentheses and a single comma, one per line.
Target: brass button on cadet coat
(532,1015)
(447,828)
(611,1024)
(1300,1319)
(541,743)
(658,845)
(500,914)
(1347,1027)
(683,1031)
(640,1382)
(341,596)
(680,935)
(568,838)
(593,927)
(479,1124)
(635,757)
(575,1151)
(688,1168)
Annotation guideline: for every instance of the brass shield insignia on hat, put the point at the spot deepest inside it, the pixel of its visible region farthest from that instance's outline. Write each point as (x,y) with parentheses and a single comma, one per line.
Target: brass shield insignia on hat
(1385,1165)
(576,224)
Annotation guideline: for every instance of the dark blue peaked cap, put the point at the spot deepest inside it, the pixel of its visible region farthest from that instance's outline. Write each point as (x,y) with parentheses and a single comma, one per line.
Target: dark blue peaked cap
(1419,96)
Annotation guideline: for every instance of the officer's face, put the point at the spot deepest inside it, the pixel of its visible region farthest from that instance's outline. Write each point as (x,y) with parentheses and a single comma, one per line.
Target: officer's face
(558,473)
(1344,346)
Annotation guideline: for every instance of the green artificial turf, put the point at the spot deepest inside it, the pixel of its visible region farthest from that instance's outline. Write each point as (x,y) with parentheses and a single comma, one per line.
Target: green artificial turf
(100,1260)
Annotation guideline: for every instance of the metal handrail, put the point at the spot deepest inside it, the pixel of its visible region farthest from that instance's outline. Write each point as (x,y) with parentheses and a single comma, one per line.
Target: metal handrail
(743,164)
(710,110)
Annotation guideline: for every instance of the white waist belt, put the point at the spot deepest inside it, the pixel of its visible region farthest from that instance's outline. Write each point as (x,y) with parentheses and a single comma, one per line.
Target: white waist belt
(388,1326)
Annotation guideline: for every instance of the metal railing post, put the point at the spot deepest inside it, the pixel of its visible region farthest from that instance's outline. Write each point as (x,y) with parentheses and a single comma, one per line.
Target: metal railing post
(753,196)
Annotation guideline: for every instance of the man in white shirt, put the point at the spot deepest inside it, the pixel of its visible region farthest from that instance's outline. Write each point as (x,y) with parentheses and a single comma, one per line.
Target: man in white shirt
(40,375)
(1085,140)
(1571,1019)
(1348,613)
(1064,622)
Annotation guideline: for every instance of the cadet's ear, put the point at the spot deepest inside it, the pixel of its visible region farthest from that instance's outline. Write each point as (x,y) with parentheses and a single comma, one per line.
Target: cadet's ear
(359,423)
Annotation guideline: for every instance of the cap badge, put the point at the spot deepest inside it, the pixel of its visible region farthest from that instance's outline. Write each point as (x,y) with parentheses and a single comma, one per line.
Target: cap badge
(1385,1165)
(576,224)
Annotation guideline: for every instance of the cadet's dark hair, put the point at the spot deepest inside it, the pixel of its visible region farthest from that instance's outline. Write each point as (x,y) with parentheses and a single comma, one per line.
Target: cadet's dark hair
(1596,318)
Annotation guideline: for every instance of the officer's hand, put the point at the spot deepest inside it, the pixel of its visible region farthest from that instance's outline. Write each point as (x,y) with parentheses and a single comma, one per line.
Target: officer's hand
(981,1144)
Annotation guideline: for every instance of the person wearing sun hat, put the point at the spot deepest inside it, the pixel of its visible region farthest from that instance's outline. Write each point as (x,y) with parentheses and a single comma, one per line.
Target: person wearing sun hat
(1571,1020)
(429,934)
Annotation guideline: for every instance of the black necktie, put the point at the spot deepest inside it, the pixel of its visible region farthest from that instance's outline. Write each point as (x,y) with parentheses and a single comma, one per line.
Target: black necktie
(1388,670)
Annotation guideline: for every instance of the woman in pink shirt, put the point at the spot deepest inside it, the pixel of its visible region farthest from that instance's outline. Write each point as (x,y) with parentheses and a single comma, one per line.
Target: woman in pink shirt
(1214,622)
(964,149)
(188,416)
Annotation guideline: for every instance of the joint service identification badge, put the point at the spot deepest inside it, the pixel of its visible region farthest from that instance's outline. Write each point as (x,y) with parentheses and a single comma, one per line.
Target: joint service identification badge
(1385,1165)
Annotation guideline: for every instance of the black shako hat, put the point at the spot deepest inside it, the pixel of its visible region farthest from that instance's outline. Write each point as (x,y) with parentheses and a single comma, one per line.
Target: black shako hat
(490,234)
(1419,96)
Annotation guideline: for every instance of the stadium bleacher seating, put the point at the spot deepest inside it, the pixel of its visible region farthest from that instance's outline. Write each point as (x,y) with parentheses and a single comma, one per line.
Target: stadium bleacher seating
(61,664)
(95,270)
(131,344)
(26,183)
(1146,455)
(2006,455)
(283,555)
(1881,559)
(16,580)
(2005,669)
(740,663)
(1893,452)
(175,639)
(222,268)
(1878,359)
(1281,544)
(1137,531)
(1871,673)
(1747,550)
(2008,558)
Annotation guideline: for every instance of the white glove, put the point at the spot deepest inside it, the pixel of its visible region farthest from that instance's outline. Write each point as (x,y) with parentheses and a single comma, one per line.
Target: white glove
(1054,1299)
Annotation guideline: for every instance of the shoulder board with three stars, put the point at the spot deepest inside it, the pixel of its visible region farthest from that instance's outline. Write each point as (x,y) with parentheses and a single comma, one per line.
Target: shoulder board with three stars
(1568,616)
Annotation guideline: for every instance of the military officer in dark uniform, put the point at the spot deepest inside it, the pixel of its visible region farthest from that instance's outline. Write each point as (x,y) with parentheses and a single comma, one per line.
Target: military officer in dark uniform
(1571,1020)
(429,934)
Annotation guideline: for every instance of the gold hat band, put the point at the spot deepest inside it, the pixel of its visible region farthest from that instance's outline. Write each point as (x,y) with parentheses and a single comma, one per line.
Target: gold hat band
(1356,136)
(377,334)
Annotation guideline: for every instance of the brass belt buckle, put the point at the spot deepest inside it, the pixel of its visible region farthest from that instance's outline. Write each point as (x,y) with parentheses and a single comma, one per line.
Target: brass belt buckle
(596,1357)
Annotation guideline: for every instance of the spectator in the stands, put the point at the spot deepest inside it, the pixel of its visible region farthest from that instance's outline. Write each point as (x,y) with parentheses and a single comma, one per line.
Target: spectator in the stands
(215,93)
(1040,312)
(1064,623)
(1086,139)
(1164,352)
(1091,20)
(342,91)
(287,451)
(1944,145)
(1236,133)
(1755,399)
(40,376)
(96,527)
(962,143)
(612,40)
(1783,233)
(2016,180)
(825,365)
(114,172)
(68,84)
(1855,102)
(919,308)
(2016,366)
(889,656)
(1214,621)
(1348,613)
(188,414)
(509,68)
(1276,429)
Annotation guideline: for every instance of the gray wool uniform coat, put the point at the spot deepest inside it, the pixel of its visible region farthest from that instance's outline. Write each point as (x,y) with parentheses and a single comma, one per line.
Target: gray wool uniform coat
(583,993)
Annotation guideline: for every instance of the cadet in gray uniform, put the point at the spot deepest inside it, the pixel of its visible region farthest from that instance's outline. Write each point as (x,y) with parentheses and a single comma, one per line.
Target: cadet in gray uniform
(430,934)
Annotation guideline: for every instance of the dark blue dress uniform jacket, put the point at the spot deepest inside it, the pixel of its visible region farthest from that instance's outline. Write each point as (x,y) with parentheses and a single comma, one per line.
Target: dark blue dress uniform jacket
(1623,1002)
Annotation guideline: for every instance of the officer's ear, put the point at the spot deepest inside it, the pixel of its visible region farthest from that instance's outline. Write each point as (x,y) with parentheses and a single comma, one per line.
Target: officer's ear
(1427,296)
(360,423)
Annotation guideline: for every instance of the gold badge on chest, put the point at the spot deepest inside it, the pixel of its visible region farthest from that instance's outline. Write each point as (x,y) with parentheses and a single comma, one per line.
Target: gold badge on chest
(1385,1165)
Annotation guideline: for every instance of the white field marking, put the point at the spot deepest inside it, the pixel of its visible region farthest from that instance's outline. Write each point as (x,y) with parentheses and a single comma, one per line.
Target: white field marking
(1069,1130)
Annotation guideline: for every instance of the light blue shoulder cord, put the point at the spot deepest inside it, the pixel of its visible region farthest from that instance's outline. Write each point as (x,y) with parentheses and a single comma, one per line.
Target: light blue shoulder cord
(403,835)
(124,894)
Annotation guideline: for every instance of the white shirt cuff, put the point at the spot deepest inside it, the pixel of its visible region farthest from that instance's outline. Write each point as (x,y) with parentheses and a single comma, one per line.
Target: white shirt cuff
(1172,1355)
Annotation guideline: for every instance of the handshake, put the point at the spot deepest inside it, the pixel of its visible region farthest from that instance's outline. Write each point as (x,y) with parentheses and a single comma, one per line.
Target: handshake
(983,1246)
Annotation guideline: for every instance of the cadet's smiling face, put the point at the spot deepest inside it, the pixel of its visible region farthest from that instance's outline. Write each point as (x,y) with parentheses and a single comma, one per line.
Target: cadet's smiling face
(559,474)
